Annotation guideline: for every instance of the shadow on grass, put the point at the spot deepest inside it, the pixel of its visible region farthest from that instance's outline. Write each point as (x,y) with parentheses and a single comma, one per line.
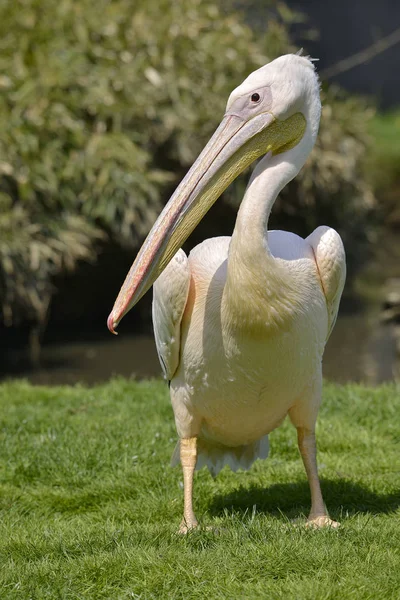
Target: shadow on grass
(294,498)
(67,501)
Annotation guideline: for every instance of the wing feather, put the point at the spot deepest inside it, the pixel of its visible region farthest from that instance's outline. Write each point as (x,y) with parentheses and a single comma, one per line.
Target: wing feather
(170,293)
(330,258)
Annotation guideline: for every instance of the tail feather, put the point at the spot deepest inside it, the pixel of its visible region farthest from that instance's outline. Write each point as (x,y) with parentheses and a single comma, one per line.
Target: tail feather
(215,457)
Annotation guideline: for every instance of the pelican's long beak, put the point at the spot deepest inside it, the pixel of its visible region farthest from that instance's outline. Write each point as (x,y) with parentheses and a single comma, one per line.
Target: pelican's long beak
(233,147)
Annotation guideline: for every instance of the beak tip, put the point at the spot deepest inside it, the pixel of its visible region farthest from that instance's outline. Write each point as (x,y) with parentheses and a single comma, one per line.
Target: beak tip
(112,324)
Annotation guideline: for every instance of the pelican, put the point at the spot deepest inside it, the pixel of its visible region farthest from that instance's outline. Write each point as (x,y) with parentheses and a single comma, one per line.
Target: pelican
(241,323)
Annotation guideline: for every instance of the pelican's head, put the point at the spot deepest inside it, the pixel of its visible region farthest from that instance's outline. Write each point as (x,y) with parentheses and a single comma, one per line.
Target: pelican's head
(276,109)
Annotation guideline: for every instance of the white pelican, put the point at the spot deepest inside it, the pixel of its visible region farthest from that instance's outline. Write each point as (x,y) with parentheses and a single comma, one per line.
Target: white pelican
(241,324)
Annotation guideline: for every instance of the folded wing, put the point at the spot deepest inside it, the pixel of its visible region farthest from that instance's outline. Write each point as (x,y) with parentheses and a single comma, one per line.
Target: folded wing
(330,258)
(170,293)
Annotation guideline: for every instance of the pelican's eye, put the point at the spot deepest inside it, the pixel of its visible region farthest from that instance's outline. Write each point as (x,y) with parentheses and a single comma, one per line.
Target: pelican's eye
(255,97)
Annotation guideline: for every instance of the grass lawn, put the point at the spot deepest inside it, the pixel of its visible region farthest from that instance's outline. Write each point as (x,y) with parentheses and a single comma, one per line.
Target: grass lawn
(90,507)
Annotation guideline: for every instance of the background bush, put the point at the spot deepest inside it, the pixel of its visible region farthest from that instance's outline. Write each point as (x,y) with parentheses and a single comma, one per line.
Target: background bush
(103,107)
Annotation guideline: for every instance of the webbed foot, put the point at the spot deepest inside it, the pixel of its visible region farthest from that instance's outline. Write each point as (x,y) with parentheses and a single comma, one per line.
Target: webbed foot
(322,521)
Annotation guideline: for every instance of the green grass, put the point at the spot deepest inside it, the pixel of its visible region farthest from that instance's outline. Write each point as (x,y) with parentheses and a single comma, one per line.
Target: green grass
(90,508)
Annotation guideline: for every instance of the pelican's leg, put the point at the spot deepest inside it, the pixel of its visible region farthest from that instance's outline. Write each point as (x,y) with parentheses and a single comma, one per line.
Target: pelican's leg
(303,416)
(318,516)
(188,451)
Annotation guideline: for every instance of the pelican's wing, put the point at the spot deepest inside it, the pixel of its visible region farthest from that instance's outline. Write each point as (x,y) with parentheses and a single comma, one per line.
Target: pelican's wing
(170,293)
(330,258)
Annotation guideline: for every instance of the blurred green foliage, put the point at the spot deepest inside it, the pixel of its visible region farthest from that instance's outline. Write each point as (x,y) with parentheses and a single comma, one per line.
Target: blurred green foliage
(383,164)
(104,105)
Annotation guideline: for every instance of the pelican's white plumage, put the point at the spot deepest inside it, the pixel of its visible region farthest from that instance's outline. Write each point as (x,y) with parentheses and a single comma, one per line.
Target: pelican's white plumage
(241,324)
(228,390)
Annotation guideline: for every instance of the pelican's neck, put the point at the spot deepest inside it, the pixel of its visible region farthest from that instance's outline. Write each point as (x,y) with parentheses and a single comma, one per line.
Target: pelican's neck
(249,244)
(256,282)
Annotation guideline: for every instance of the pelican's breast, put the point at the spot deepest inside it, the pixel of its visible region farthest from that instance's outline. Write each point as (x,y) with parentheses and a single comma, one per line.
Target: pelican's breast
(245,358)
